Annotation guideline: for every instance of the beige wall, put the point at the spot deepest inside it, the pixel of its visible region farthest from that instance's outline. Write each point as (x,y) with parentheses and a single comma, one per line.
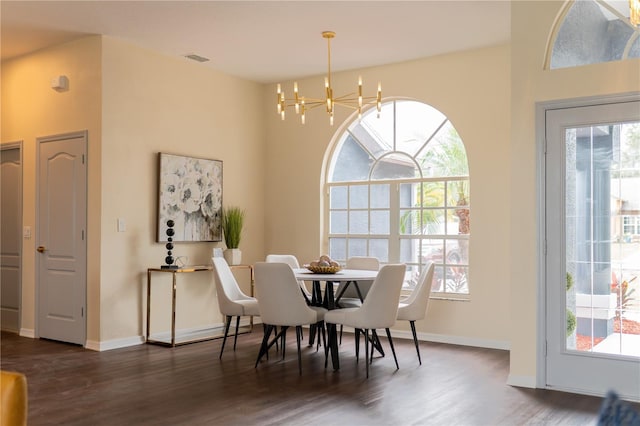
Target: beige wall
(531,23)
(153,103)
(32,109)
(473,89)
(134,104)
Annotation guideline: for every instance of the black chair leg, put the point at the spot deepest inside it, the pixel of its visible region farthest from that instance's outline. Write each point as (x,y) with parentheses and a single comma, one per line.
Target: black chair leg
(376,342)
(235,339)
(264,330)
(357,345)
(320,325)
(275,333)
(392,348)
(324,335)
(226,331)
(366,350)
(340,334)
(312,334)
(298,338)
(263,347)
(373,344)
(283,333)
(415,339)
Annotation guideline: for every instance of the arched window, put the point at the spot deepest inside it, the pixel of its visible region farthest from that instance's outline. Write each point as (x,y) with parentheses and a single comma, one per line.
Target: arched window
(594,31)
(398,189)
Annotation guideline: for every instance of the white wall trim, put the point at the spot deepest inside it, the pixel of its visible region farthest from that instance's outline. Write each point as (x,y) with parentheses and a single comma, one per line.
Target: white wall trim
(212,331)
(28,332)
(113,344)
(448,339)
(202,332)
(454,340)
(522,381)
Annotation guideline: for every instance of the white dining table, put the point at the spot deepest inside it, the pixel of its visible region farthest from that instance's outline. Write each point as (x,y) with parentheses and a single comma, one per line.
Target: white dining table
(351,276)
(343,275)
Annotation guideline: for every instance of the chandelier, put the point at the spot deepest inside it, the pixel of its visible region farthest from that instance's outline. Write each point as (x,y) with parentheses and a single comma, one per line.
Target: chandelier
(634,12)
(353,101)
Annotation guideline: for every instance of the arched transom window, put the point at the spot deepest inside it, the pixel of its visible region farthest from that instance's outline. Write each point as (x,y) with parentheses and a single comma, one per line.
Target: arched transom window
(594,31)
(398,190)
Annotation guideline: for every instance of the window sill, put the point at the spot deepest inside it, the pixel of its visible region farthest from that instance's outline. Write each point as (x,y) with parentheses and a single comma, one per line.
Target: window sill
(452,298)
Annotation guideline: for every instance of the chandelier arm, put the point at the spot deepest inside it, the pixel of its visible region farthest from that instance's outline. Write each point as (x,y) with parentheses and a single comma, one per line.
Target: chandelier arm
(308,101)
(365,101)
(350,106)
(308,105)
(315,105)
(346,96)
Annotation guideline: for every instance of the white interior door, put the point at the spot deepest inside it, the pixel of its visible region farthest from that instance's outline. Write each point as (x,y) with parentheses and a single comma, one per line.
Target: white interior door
(10,235)
(62,216)
(592,193)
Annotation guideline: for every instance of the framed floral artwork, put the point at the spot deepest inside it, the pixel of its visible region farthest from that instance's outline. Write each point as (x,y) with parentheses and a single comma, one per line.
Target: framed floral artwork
(190,195)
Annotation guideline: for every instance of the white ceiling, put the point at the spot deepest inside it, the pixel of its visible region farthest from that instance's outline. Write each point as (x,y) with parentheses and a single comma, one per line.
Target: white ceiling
(264,41)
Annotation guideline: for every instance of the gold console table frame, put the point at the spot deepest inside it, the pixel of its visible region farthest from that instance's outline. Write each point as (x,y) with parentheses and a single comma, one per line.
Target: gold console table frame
(174,272)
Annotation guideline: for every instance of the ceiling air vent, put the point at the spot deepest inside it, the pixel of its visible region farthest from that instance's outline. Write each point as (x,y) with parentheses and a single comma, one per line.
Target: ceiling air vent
(196,58)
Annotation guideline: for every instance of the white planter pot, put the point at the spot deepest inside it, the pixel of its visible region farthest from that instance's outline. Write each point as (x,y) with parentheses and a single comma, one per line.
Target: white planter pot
(233,256)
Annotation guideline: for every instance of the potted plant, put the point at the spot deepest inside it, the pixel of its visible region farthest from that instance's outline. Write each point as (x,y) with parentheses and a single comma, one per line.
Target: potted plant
(232,222)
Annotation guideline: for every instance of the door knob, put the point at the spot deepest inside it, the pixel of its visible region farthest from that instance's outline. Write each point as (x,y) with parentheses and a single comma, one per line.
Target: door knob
(41,249)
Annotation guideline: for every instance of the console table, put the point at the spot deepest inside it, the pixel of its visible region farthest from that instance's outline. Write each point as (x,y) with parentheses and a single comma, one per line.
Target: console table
(174,272)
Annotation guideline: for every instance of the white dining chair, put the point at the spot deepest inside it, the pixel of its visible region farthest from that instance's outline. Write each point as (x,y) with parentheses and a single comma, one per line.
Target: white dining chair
(350,295)
(282,305)
(292,261)
(379,310)
(414,307)
(231,300)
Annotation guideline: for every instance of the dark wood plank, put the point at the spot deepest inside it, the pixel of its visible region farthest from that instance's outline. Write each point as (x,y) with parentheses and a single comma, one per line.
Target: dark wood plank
(152,385)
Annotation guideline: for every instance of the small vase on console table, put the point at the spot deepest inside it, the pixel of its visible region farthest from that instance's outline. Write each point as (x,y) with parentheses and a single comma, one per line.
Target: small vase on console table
(233,256)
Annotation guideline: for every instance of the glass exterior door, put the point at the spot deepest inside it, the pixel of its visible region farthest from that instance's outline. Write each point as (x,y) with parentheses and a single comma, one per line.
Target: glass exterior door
(593,257)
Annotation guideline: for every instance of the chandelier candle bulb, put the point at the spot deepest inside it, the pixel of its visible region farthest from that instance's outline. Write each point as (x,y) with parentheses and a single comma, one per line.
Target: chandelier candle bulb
(295,92)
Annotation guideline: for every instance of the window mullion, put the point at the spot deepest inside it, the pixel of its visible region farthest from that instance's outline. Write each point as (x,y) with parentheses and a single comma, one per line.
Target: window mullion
(394,225)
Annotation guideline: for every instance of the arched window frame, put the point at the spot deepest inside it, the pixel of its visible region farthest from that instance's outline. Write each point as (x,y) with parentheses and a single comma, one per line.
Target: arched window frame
(577,45)
(394,242)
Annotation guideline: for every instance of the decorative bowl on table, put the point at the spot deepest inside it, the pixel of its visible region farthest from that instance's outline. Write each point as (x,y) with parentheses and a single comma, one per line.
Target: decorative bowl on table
(323,269)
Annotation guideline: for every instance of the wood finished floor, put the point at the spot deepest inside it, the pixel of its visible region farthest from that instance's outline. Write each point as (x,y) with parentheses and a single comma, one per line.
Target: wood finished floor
(189,385)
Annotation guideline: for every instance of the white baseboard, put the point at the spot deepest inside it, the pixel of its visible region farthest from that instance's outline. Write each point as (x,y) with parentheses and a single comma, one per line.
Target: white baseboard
(521,381)
(28,332)
(113,344)
(202,332)
(183,334)
(453,340)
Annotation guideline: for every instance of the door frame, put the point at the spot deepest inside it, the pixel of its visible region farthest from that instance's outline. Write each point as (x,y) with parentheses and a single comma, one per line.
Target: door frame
(540,126)
(39,141)
(19,145)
